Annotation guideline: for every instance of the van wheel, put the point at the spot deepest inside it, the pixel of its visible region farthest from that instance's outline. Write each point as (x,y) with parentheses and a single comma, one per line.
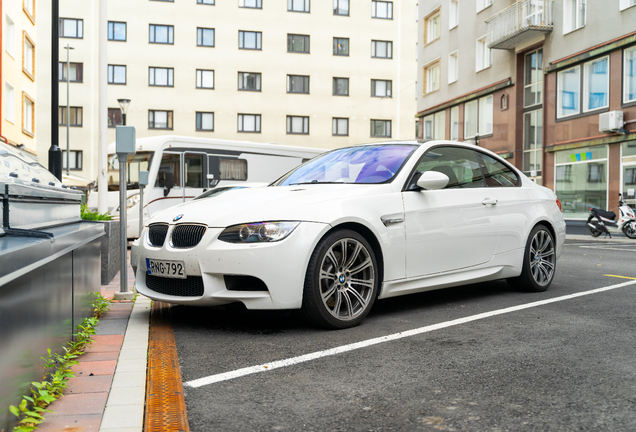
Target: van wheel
(341,282)
(539,261)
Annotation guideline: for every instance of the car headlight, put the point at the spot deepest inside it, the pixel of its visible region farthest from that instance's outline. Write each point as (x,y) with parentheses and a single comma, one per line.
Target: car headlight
(132,200)
(260,232)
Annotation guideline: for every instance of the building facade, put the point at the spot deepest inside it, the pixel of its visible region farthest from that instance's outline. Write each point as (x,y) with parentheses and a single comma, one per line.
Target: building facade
(297,72)
(18,72)
(530,80)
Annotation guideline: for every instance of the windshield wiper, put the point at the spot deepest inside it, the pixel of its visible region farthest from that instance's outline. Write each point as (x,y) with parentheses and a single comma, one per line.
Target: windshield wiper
(316,182)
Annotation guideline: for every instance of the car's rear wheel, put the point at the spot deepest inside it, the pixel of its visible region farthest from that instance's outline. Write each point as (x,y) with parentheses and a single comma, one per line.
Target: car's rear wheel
(539,261)
(341,283)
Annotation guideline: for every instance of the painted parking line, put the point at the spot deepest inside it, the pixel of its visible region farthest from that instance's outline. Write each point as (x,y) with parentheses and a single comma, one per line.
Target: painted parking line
(608,248)
(622,277)
(212,379)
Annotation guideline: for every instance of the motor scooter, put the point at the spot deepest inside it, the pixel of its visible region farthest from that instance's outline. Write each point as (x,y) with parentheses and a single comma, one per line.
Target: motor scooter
(606,221)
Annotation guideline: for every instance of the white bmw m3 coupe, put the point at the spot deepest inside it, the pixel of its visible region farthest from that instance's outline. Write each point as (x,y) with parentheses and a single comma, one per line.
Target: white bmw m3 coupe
(355,225)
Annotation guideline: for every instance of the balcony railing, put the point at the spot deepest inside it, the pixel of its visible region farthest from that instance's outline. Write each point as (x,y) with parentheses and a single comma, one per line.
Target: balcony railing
(519,23)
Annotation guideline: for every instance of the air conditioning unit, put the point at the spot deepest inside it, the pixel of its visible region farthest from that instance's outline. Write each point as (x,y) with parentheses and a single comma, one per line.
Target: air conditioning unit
(610,121)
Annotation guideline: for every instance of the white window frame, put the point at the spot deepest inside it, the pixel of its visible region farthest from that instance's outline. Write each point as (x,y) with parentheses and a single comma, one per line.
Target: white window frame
(9,102)
(579,19)
(586,84)
(483,54)
(626,89)
(453,14)
(481,104)
(389,9)
(241,123)
(436,125)
(28,106)
(433,32)
(576,100)
(454,123)
(201,78)
(428,75)
(453,67)
(626,4)
(9,36)
(528,83)
(483,4)
(28,54)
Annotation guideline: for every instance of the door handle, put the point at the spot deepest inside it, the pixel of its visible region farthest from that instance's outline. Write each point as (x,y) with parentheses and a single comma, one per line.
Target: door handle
(489,202)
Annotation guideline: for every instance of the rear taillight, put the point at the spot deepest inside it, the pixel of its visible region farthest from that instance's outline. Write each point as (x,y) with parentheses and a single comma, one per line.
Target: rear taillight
(558,201)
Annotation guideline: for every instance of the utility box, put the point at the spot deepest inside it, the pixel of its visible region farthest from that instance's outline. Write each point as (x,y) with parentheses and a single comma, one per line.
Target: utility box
(610,121)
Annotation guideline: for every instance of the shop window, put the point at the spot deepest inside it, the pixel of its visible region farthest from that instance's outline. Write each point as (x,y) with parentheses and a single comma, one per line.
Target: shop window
(478,117)
(596,84)
(454,123)
(435,126)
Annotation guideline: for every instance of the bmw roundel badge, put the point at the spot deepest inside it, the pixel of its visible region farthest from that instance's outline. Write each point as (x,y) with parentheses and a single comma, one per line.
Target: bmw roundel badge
(177,218)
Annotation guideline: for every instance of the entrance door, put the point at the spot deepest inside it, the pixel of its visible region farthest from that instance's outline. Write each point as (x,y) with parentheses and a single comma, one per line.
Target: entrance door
(194,170)
(163,197)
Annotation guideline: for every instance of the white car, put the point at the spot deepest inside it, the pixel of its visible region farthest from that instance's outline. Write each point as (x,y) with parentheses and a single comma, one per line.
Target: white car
(352,225)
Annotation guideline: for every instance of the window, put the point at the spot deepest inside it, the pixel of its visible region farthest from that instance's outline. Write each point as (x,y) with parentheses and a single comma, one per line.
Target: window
(250,40)
(249,81)
(76,72)
(160,120)
(433,26)
(75,158)
(432,77)
(381,88)
(341,46)
(161,77)
(341,7)
(9,102)
(29,8)
(205,79)
(453,14)
(573,15)
(161,34)
(454,123)
(232,169)
(498,174)
(205,121)
(483,4)
(249,123)
(76,114)
(624,4)
(459,164)
(341,86)
(71,28)
(116,74)
(117,31)
(340,126)
(568,92)
(297,84)
(206,2)
(483,55)
(382,9)
(254,4)
(533,85)
(298,43)
(205,37)
(596,84)
(478,117)
(9,36)
(533,142)
(298,6)
(28,55)
(114,117)
(381,128)
(435,126)
(193,170)
(453,67)
(629,75)
(28,111)
(382,49)
(298,125)
(170,163)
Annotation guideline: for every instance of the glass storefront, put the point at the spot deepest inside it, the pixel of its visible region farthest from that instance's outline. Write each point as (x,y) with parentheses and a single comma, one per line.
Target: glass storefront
(628,170)
(581,180)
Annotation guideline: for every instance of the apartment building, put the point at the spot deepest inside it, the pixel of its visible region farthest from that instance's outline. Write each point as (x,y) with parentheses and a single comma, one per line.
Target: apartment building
(297,72)
(534,81)
(18,91)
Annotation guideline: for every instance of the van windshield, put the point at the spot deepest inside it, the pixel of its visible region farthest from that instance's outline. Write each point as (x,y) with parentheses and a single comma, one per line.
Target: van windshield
(138,162)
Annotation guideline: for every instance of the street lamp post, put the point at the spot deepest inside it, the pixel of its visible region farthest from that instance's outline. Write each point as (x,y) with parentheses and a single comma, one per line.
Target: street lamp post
(123,104)
(68,108)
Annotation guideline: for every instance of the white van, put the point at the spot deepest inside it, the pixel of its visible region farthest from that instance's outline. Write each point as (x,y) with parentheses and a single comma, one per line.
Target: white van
(180,168)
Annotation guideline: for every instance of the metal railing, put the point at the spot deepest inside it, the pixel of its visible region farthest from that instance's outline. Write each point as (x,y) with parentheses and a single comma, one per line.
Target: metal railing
(523,15)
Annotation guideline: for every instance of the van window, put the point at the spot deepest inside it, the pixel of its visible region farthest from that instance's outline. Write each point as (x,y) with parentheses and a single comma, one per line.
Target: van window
(194,170)
(170,163)
(233,169)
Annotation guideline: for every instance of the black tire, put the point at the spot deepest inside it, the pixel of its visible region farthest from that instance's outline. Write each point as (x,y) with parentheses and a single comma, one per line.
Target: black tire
(539,261)
(593,232)
(629,229)
(340,288)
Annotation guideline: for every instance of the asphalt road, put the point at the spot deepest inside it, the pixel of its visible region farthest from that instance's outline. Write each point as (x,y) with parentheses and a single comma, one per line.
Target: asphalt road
(565,365)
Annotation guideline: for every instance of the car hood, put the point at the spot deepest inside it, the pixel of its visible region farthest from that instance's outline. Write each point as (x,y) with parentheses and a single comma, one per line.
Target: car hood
(317,203)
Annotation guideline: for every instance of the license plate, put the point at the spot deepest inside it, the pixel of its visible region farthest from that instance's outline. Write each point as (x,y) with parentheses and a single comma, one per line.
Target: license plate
(165,268)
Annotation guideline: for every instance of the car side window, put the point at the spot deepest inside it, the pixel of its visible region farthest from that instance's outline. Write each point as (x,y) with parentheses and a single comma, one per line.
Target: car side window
(498,174)
(170,163)
(459,164)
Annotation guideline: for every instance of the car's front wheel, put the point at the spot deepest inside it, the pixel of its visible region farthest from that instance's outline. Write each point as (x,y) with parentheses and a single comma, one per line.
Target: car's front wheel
(341,282)
(539,261)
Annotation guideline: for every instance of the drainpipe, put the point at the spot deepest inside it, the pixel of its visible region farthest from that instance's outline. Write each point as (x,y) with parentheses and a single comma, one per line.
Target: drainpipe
(55,153)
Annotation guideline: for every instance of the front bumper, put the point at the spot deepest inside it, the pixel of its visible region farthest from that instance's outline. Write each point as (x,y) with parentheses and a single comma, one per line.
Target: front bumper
(280,265)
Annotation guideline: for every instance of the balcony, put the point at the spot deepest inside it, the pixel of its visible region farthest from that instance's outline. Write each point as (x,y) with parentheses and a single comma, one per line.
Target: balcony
(519,23)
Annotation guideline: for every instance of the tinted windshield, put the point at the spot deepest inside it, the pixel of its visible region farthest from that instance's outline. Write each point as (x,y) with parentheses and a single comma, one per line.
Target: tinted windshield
(357,165)
(140,161)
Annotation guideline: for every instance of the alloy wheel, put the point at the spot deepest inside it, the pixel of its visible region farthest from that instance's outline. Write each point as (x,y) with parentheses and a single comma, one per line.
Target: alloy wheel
(542,257)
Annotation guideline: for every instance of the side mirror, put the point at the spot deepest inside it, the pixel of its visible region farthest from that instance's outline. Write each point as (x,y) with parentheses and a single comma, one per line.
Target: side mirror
(169,184)
(432,180)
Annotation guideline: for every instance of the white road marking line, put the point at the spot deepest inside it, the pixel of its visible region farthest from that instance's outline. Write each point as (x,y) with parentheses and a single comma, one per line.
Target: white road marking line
(608,248)
(212,379)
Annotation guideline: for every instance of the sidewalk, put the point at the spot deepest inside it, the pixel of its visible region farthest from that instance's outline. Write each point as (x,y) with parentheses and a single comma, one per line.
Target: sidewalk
(109,388)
